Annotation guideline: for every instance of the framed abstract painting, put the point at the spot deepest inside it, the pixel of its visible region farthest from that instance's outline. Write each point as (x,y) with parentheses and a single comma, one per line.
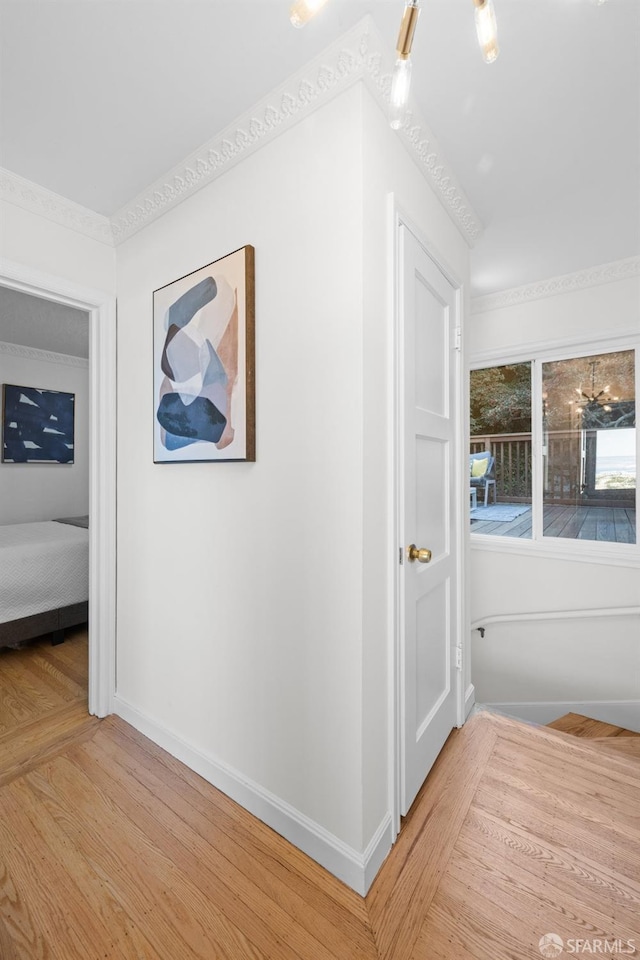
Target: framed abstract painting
(37,425)
(204,363)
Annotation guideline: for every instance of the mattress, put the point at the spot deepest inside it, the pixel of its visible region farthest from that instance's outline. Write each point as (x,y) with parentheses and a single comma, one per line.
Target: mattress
(43,566)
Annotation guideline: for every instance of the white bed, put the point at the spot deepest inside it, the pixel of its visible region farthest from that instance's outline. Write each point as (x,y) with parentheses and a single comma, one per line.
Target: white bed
(44,578)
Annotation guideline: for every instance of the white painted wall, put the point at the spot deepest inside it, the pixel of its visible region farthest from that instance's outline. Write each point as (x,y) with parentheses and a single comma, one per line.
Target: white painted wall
(596,311)
(43,245)
(261,650)
(240,585)
(46,491)
(589,660)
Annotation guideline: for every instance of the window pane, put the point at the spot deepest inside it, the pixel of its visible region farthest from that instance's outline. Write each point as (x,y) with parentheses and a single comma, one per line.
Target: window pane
(500,399)
(589,448)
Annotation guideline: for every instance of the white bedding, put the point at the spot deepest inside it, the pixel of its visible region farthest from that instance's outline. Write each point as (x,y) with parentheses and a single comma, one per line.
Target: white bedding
(42,566)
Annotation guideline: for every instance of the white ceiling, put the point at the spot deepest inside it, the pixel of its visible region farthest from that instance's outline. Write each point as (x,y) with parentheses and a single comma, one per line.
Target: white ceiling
(34,322)
(101,97)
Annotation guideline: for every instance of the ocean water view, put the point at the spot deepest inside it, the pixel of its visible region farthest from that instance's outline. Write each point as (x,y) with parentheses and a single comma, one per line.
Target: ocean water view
(607,465)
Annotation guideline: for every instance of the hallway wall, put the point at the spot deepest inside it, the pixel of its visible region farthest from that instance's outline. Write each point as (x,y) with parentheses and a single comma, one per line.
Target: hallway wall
(587,660)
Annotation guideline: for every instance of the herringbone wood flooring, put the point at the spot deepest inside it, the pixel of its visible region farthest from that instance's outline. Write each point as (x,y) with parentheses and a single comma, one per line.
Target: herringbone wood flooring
(112,849)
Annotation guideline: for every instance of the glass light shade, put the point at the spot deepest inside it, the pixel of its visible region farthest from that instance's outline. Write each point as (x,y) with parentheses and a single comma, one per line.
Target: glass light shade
(303,10)
(487,29)
(400,86)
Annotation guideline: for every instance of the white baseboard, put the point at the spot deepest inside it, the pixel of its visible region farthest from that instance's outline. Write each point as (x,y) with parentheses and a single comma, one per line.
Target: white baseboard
(469,700)
(621,713)
(355,869)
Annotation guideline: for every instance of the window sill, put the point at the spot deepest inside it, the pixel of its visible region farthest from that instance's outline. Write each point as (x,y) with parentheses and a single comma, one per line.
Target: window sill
(583,551)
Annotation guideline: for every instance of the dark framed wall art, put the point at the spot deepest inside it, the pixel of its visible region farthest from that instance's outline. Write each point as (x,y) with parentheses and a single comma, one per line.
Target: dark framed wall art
(203,363)
(37,425)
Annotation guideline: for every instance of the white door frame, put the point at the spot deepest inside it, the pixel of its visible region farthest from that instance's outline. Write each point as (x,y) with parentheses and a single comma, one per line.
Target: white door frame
(397,218)
(102,466)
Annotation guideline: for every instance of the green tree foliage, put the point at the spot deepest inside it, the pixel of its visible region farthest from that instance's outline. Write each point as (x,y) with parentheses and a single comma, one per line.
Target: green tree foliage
(500,399)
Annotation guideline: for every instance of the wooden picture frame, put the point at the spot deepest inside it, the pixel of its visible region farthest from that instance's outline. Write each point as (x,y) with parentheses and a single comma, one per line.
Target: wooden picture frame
(204,363)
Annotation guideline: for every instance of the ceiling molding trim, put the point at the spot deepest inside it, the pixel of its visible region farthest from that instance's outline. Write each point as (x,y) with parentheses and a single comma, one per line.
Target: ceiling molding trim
(428,154)
(569,283)
(32,353)
(316,84)
(31,196)
(357,55)
(422,145)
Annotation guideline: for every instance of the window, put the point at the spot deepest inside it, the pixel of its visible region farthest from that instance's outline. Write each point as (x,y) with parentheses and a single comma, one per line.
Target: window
(564,465)
(501,426)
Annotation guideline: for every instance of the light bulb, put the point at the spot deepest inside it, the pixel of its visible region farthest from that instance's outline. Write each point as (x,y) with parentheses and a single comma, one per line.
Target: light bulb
(487,29)
(303,10)
(400,86)
(401,79)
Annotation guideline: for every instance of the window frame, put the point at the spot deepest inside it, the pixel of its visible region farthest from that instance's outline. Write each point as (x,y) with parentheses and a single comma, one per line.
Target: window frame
(590,551)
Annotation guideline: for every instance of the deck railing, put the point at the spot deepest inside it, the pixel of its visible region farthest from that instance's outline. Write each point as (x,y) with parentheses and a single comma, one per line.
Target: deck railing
(512,452)
(563,474)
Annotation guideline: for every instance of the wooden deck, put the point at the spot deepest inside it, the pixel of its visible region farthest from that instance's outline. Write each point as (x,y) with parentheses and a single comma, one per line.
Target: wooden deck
(611,524)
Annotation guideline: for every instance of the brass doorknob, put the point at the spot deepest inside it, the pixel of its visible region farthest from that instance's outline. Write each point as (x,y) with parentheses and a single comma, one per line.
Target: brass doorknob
(421,554)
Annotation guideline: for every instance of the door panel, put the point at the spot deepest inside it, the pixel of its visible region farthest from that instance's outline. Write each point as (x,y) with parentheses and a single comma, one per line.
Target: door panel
(433,673)
(431,368)
(431,489)
(428,590)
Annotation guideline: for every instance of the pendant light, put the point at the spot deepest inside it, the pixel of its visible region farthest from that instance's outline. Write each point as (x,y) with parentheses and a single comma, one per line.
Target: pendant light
(487,29)
(401,79)
(303,10)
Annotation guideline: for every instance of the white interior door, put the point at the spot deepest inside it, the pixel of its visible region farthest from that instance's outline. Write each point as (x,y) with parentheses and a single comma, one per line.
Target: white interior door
(428,582)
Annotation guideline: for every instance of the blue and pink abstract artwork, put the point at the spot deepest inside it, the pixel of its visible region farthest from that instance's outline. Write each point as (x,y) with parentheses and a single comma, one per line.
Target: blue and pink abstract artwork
(203,341)
(37,425)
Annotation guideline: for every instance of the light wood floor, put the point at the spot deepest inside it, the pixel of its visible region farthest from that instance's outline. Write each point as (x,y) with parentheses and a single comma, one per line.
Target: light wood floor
(111,849)
(602,736)
(580,726)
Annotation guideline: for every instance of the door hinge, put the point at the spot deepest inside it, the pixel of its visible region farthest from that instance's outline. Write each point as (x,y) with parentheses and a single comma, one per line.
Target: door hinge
(458,658)
(458,338)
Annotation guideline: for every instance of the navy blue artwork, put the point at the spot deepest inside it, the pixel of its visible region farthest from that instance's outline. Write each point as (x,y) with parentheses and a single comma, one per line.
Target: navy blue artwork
(200,420)
(37,425)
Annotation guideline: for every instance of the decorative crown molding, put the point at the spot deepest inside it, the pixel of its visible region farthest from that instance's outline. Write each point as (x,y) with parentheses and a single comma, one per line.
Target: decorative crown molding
(430,158)
(33,353)
(357,55)
(31,196)
(568,283)
(420,142)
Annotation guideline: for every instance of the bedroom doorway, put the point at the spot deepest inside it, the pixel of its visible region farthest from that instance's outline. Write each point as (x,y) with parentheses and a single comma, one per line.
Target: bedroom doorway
(100,309)
(44,486)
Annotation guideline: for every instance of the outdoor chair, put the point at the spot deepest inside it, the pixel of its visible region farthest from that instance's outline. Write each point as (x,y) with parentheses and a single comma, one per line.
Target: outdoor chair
(484,474)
